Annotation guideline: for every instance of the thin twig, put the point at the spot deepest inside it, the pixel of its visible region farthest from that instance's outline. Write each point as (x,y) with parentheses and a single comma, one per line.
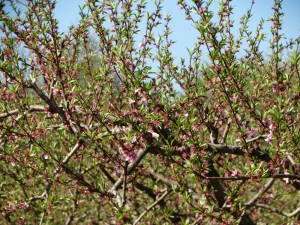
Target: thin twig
(294,213)
(290,158)
(42,218)
(197,220)
(124,183)
(32,108)
(262,191)
(225,133)
(162,178)
(256,138)
(278,176)
(9,113)
(272,209)
(151,206)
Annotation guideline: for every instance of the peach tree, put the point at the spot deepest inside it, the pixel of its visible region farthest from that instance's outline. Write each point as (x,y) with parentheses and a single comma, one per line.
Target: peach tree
(101,124)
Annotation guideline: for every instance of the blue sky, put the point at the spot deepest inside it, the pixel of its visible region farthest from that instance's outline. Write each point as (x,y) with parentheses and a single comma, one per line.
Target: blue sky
(183,32)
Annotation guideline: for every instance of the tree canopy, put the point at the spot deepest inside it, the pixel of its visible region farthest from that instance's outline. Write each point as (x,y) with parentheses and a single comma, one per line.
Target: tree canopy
(101,125)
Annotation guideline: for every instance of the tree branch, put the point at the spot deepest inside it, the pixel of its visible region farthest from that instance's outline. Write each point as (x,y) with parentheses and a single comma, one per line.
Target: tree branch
(218,188)
(225,133)
(278,176)
(57,171)
(238,150)
(32,108)
(262,191)
(256,138)
(53,107)
(114,190)
(162,178)
(151,206)
(272,209)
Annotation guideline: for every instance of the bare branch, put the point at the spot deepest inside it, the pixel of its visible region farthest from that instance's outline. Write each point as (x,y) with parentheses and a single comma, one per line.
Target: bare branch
(40,108)
(290,158)
(9,113)
(256,138)
(32,108)
(42,218)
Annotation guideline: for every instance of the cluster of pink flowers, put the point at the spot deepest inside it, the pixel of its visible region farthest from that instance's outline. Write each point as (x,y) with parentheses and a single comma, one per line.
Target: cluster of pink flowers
(269,124)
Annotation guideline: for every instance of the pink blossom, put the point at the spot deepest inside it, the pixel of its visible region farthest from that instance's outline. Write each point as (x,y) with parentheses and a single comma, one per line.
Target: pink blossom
(144,100)
(269,137)
(55,91)
(49,114)
(128,155)
(234,97)
(138,90)
(68,116)
(251,132)
(269,123)
(87,191)
(201,10)
(46,156)
(235,173)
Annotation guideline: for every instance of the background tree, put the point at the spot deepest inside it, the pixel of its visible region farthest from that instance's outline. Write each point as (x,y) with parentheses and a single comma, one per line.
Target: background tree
(186,143)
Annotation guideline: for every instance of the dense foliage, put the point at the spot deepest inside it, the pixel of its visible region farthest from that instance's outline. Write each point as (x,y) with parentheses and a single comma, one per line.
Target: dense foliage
(101,125)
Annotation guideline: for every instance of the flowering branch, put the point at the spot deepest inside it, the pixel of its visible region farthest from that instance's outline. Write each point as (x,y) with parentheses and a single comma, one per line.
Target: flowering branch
(140,155)
(79,143)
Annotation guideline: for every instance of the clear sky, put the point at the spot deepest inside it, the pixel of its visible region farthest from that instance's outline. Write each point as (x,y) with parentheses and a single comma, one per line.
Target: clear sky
(183,31)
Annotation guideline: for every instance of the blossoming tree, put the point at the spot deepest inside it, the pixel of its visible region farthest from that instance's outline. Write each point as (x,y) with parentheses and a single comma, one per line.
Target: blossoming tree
(118,132)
